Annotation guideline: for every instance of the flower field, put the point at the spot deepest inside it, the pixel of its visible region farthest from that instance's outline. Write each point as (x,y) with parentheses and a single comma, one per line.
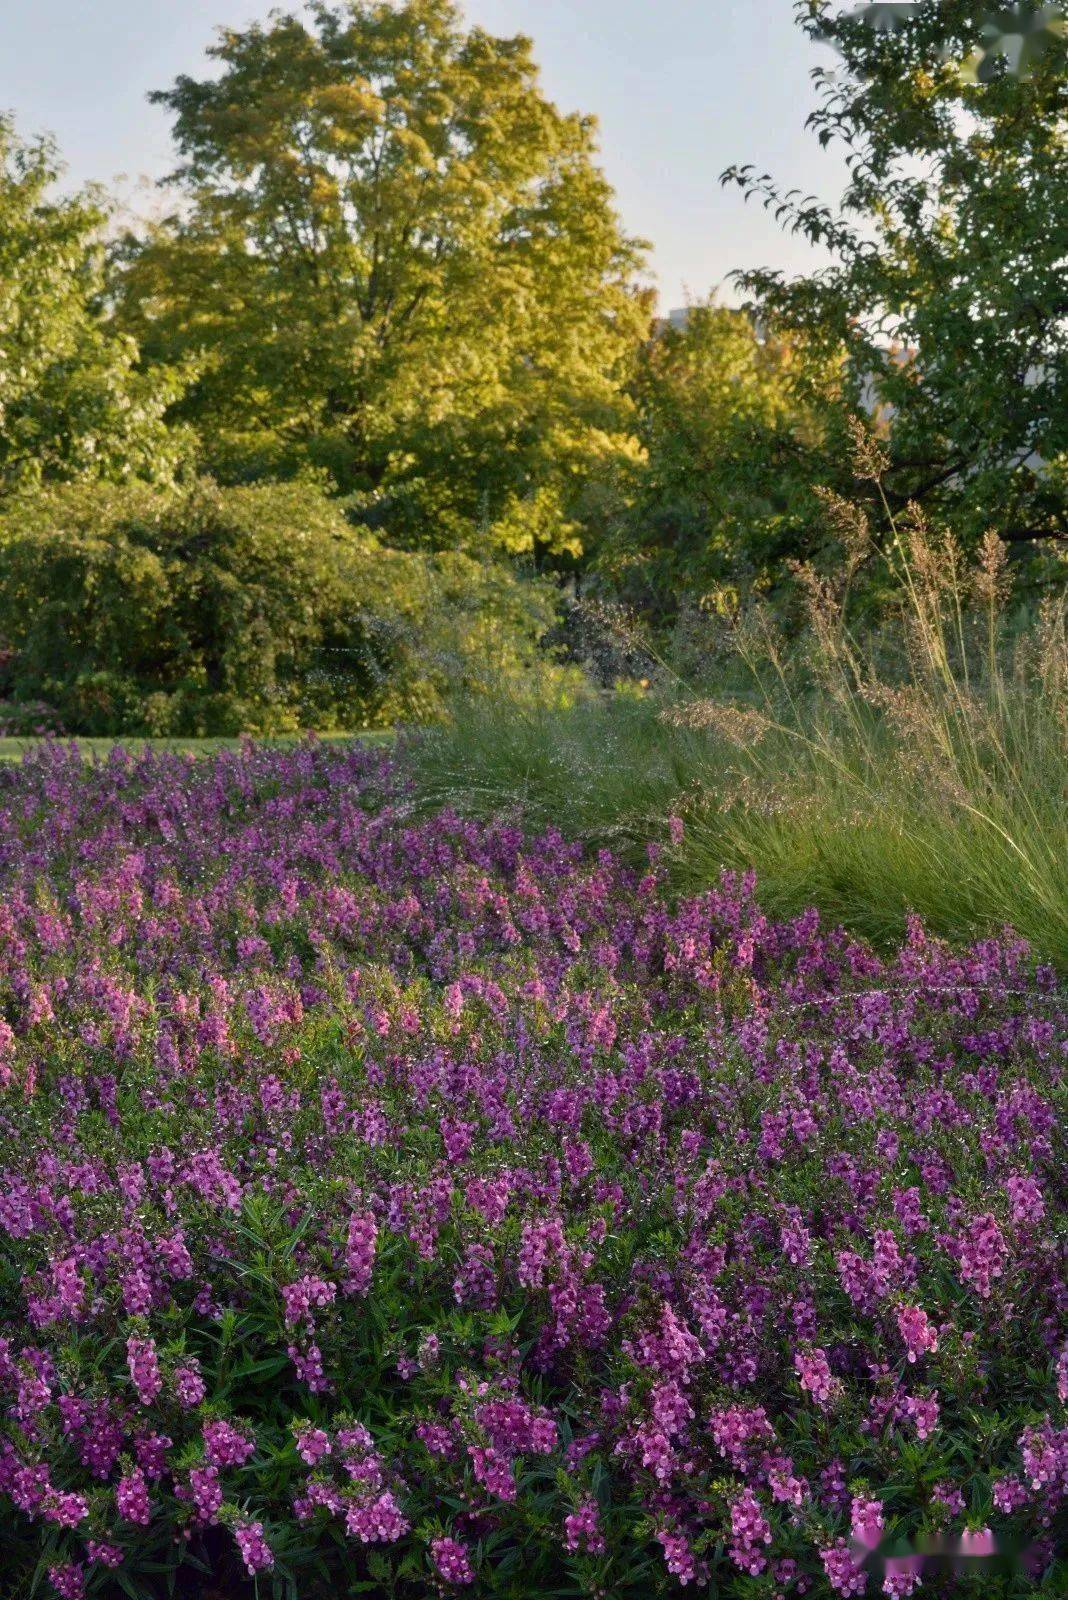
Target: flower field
(396,1207)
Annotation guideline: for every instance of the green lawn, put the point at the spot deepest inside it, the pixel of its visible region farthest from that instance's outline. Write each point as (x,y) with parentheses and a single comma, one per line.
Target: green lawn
(15,749)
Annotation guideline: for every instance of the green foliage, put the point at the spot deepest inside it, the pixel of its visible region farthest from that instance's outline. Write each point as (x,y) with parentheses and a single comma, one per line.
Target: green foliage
(397,261)
(72,401)
(451,625)
(195,610)
(735,429)
(395,272)
(947,286)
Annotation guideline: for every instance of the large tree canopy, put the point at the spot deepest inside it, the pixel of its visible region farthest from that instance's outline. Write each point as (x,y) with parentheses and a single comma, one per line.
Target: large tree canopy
(400,262)
(951,249)
(72,401)
(737,428)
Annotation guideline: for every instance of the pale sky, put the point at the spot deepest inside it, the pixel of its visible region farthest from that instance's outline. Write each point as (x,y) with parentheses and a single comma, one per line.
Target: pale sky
(681,89)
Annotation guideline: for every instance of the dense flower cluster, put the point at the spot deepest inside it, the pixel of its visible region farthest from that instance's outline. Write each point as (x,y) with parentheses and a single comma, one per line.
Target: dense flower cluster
(415,1203)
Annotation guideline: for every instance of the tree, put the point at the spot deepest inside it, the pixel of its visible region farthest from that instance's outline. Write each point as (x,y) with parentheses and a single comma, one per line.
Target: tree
(397,261)
(950,243)
(72,400)
(736,428)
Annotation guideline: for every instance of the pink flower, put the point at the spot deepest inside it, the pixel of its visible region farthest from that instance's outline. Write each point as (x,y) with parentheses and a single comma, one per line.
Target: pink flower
(452,1561)
(1025,1198)
(981,1251)
(65,1510)
(902,1576)
(1045,1457)
(377,1521)
(1010,1495)
(103,1554)
(816,1379)
(916,1330)
(678,1555)
(301,1299)
(255,1551)
(843,1574)
(313,1445)
(493,1470)
(736,1430)
(796,1240)
(980,1542)
(924,1413)
(206,1491)
(866,1521)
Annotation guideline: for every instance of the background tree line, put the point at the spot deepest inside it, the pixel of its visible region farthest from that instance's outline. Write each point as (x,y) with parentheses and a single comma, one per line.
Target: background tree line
(327,440)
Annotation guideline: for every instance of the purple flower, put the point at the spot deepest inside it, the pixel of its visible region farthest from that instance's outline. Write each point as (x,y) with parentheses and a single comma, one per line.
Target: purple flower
(676,1195)
(144,1369)
(923,1410)
(377,1521)
(103,1554)
(750,1534)
(582,1529)
(255,1551)
(451,1561)
(65,1510)
(843,1574)
(981,1252)
(302,1298)
(131,1497)
(206,1492)
(225,1445)
(68,1580)
(188,1384)
(678,1556)
(816,1379)
(360,1252)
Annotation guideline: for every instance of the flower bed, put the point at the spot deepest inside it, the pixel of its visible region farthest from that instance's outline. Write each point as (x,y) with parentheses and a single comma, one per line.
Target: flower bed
(389,1207)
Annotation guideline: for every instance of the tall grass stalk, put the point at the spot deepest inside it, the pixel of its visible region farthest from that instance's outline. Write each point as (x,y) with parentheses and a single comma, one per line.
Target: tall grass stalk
(922,770)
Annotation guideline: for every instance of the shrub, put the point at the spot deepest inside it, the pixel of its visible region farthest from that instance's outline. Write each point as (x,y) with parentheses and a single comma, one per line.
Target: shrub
(456,627)
(392,1208)
(201,610)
